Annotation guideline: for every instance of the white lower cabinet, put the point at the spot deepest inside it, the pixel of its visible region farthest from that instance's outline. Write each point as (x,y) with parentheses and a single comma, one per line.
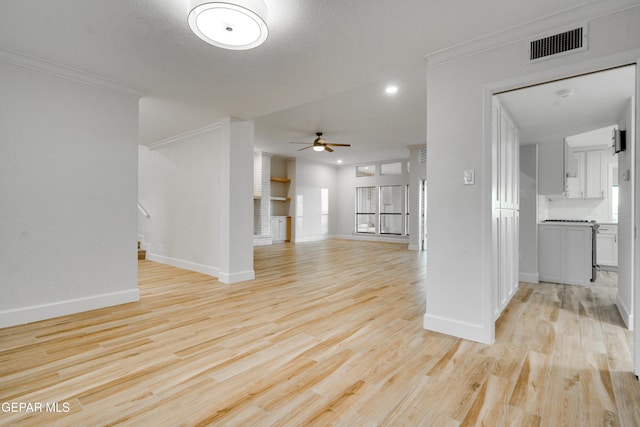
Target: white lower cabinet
(564,254)
(279,228)
(607,245)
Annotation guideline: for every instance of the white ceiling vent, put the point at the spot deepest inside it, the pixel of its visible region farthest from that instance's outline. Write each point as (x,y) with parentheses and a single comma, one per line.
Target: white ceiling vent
(423,156)
(561,43)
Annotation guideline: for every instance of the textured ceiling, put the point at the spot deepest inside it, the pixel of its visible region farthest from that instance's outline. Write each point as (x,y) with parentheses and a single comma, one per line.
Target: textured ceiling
(323,67)
(599,101)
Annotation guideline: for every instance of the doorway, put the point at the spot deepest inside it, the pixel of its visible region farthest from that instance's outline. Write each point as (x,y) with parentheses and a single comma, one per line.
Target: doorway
(546,114)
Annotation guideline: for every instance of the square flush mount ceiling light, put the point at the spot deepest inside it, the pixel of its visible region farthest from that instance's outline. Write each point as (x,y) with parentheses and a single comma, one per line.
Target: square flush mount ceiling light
(235,25)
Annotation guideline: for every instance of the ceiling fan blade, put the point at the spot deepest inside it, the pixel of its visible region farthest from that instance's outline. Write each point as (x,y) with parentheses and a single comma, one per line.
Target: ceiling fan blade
(295,142)
(328,149)
(305,148)
(340,145)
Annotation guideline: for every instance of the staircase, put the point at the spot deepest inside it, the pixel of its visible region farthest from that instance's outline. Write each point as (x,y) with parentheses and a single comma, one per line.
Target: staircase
(142,254)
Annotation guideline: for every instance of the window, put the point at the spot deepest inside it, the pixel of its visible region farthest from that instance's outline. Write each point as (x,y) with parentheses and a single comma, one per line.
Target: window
(368,170)
(614,203)
(366,209)
(391,206)
(391,168)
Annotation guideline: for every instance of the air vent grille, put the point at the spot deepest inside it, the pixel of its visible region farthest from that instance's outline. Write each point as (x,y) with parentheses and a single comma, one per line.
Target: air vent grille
(558,43)
(423,156)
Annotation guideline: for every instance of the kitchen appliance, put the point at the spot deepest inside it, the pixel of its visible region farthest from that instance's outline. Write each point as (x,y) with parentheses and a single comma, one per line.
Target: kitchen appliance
(594,232)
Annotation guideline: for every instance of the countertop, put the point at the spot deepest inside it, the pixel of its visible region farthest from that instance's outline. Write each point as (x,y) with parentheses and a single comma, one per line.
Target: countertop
(568,224)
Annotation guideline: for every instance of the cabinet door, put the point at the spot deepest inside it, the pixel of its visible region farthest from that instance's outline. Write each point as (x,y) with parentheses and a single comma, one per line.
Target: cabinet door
(275,228)
(594,174)
(549,253)
(507,241)
(576,255)
(607,249)
(278,228)
(576,184)
(508,168)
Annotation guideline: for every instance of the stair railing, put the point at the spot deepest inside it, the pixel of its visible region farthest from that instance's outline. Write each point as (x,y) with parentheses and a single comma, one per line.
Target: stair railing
(142,209)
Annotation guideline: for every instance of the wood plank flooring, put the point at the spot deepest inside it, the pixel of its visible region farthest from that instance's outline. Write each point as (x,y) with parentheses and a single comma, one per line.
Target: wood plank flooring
(329,333)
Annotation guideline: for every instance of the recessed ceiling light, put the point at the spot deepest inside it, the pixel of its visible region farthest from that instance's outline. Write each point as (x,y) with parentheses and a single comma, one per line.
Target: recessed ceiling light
(565,93)
(339,160)
(234,25)
(391,89)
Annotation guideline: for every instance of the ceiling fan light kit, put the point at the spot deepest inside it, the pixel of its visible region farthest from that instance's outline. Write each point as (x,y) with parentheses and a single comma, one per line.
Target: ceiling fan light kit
(320,144)
(233,25)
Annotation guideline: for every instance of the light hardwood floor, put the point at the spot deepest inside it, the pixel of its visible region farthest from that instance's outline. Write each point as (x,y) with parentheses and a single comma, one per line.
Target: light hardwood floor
(328,333)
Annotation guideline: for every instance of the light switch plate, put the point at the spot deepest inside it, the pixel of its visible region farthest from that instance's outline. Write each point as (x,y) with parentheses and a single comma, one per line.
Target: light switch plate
(469,176)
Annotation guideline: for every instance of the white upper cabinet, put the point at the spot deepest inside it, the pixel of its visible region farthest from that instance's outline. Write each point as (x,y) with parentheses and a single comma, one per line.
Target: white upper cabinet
(595,182)
(586,174)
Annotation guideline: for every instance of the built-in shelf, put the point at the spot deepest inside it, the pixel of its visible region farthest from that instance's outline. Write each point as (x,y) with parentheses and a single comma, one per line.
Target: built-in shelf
(279,179)
(280,199)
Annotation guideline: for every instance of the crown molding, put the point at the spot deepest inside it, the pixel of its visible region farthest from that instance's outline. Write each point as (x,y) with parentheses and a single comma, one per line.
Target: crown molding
(546,24)
(41,65)
(183,136)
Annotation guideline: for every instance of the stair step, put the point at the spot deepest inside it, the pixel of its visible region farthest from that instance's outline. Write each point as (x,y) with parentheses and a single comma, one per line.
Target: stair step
(142,254)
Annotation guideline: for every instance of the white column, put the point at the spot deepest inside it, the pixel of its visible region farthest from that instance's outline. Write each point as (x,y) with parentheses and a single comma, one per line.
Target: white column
(236,201)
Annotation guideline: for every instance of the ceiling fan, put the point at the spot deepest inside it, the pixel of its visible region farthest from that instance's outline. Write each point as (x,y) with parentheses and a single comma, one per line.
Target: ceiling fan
(320,144)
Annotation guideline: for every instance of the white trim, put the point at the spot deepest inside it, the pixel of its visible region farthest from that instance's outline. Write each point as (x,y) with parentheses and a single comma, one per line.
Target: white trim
(230,278)
(185,265)
(414,247)
(183,136)
(41,65)
(374,238)
(311,239)
(464,330)
(529,277)
(35,313)
(544,25)
(627,317)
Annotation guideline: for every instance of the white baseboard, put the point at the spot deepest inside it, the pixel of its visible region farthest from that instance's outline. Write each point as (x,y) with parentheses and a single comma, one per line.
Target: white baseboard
(374,238)
(528,277)
(230,278)
(262,240)
(468,331)
(310,239)
(35,313)
(414,247)
(627,318)
(185,265)
(223,277)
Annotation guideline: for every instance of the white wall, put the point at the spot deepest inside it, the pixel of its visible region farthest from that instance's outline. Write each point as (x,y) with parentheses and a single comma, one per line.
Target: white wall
(591,209)
(626,218)
(198,191)
(309,179)
(460,83)
(177,186)
(528,213)
(68,171)
(346,198)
